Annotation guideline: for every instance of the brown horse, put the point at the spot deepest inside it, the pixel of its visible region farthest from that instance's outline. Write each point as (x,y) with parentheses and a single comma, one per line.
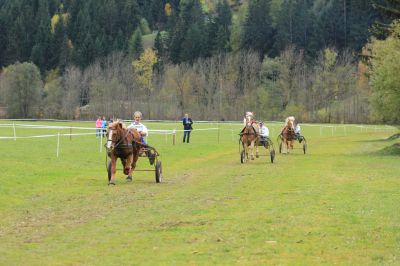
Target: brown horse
(125,144)
(249,138)
(288,135)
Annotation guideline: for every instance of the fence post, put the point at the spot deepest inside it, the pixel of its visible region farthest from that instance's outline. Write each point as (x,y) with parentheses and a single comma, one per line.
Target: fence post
(70,133)
(173,137)
(58,144)
(15,135)
(101,142)
(218,133)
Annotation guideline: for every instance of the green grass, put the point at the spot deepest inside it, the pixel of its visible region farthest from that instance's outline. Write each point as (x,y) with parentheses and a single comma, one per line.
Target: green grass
(338,204)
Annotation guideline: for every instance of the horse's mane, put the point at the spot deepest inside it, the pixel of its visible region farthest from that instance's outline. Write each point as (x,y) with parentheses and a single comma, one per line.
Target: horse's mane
(117,122)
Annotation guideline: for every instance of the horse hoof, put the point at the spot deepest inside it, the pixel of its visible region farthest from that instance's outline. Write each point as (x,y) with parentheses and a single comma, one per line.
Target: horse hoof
(257,156)
(252,158)
(111,183)
(129,178)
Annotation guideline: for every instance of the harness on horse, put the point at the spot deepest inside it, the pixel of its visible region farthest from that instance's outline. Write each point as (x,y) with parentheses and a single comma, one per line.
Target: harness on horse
(255,131)
(119,145)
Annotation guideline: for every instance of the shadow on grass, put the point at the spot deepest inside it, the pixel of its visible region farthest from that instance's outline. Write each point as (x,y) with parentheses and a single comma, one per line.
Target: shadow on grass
(393,137)
(393,150)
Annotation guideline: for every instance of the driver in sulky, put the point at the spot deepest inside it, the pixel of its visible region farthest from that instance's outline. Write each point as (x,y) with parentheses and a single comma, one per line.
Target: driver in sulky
(142,129)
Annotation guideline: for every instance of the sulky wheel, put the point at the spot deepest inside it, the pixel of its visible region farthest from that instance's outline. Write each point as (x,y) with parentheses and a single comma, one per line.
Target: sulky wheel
(242,157)
(158,171)
(109,170)
(272,154)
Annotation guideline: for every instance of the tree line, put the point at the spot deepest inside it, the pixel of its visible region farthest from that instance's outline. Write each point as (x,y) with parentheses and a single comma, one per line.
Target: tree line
(276,57)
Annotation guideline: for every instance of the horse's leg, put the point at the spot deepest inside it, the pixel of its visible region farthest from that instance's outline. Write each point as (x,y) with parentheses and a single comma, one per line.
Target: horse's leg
(291,144)
(246,149)
(128,167)
(113,169)
(135,157)
(286,146)
(252,150)
(256,144)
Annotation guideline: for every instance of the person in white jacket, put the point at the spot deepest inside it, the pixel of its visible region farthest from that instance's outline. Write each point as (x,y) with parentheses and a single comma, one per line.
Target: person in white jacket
(297,132)
(264,133)
(137,123)
(142,129)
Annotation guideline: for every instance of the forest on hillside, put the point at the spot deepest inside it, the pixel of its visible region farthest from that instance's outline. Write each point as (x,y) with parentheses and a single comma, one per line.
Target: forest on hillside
(314,59)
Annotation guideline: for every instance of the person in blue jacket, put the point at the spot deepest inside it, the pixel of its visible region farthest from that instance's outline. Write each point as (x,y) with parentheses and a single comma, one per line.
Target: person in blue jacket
(104,126)
(187,126)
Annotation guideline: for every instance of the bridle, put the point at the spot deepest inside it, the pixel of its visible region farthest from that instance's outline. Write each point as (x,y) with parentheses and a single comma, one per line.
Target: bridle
(109,145)
(119,143)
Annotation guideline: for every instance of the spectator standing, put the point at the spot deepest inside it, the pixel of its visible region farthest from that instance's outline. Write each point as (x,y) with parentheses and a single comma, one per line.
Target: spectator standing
(104,126)
(187,127)
(99,125)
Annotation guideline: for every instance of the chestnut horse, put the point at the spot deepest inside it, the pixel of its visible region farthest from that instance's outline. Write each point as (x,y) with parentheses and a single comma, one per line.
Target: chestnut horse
(249,138)
(125,144)
(288,135)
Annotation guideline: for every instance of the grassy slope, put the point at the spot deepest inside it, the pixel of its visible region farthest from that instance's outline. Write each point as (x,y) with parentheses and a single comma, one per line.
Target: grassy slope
(337,204)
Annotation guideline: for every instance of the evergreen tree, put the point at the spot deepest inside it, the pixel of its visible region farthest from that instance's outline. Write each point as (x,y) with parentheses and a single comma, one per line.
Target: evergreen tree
(3,40)
(219,33)
(119,42)
(65,54)
(190,24)
(135,47)
(40,50)
(57,43)
(193,44)
(258,33)
(159,45)
(296,25)
(98,47)
(390,10)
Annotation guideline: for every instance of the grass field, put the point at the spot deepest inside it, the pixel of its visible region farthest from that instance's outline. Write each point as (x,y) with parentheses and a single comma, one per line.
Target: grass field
(338,204)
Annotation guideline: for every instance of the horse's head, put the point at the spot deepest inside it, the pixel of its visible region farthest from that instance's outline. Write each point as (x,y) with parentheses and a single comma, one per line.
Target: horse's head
(290,125)
(250,131)
(114,134)
(288,131)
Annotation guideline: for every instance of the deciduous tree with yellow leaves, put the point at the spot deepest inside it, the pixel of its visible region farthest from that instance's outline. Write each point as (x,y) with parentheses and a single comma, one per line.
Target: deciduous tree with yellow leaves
(143,70)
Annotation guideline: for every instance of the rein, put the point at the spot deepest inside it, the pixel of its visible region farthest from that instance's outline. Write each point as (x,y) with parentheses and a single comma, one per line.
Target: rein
(118,142)
(248,133)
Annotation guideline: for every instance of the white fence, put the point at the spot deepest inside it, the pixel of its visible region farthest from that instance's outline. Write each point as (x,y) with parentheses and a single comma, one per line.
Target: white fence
(324,130)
